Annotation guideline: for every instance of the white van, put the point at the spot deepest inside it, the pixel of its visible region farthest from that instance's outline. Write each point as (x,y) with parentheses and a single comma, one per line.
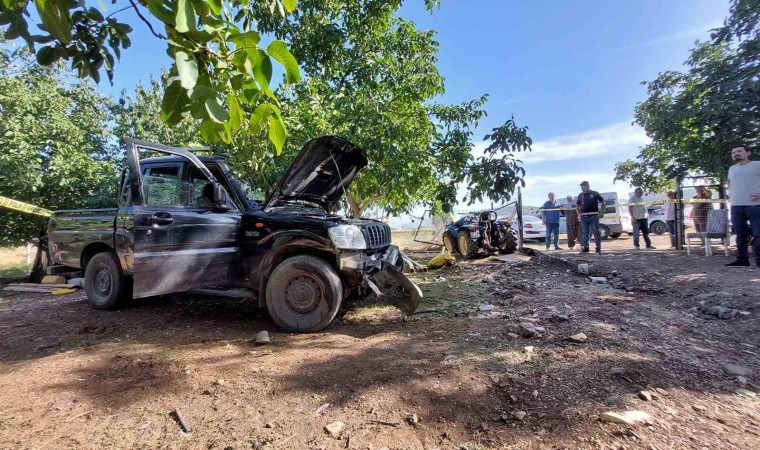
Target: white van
(615,221)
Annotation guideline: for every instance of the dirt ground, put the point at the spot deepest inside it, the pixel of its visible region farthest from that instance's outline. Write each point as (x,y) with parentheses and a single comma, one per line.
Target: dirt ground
(449,377)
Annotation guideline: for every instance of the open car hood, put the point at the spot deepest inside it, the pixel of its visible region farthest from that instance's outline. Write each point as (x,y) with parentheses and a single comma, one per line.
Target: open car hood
(323,168)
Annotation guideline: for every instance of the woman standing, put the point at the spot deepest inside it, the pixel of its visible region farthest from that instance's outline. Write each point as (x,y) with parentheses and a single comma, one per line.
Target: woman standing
(700,209)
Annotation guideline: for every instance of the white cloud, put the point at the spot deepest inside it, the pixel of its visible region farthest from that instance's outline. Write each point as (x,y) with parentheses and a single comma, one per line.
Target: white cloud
(612,139)
(702,31)
(538,186)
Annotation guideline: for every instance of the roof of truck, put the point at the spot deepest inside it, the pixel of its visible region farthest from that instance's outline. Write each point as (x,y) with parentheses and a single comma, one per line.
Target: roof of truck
(170,159)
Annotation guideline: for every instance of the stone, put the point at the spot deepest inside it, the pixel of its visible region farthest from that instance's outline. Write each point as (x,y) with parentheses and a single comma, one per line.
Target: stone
(527,329)
(519,415)
(579,338)
(615,400)
(698,408)
(219,382)
(626,418)
(262,337)
(528,349)
(727,313)
(598,279)
(53,279)
(485,308)
(414,419)
(645,395)
(513,335)
(661,391)
(733,369)
(617,371)
(741,380)
(78,282)
(713,310)
(334,428)
(746,393)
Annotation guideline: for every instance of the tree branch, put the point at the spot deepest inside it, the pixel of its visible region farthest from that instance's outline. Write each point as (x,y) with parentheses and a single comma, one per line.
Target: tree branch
(147,22)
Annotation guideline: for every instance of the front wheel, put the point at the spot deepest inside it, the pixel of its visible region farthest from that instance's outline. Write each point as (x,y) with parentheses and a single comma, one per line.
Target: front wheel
(450,243)
(303,294)
(104,282)
(511,243)
(467,246)
(657,228)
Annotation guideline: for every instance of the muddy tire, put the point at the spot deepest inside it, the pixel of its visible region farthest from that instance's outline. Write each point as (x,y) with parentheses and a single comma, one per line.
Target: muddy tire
(303,294)
(450,243)
(467,246)
(511,244)
(105,283)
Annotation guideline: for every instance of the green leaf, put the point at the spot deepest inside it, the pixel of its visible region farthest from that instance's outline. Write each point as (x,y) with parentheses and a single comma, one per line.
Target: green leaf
(259,118)
(185,16)
(247,41)
(279,51)
(201,93)
(13,5)
(212,131)
(47,55)
(250,93)
(159,12)
(56,19)
(216,111)
(187,69)
(290,5)
(173,104)
(216,6)
(262,71)
(277,133)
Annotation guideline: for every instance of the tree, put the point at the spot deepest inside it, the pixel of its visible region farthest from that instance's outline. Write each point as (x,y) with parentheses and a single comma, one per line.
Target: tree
(694,118)
(218,66)
(371,77)
(54,137)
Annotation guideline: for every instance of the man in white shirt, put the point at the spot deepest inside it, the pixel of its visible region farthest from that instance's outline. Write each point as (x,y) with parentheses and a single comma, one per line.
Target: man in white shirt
(744,194)
(638,213)
(669,210)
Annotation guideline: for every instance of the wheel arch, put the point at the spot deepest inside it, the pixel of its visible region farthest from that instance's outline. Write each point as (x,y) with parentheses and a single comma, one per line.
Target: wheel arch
(93,249)
(277,256)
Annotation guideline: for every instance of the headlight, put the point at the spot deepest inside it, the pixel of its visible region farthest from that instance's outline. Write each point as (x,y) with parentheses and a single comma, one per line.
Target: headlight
(347,237)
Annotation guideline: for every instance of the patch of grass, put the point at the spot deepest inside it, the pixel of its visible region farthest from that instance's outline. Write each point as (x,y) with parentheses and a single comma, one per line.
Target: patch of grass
(13,271)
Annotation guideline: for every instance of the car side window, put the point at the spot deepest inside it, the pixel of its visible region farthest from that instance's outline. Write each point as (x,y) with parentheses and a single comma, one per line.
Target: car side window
(162,186)
(125,195)
(200,191)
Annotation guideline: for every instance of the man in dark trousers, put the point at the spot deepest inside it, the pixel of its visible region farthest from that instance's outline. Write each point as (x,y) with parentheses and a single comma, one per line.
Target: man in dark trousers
(590,205)
(550,218)
(573,225)
(744,193)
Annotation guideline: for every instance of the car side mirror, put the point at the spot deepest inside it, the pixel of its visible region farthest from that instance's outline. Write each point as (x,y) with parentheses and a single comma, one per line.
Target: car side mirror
(220,197)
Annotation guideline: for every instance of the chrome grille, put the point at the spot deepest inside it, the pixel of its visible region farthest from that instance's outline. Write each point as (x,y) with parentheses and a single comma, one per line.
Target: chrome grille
(378,235)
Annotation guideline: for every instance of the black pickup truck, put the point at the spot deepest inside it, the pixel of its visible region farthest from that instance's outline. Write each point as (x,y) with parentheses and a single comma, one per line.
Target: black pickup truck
(185,223)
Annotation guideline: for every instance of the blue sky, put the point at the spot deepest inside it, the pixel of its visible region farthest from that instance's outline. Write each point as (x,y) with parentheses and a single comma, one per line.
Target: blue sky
(568,69)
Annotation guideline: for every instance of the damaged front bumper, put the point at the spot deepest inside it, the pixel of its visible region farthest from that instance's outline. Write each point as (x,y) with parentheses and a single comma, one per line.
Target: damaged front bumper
(381,273)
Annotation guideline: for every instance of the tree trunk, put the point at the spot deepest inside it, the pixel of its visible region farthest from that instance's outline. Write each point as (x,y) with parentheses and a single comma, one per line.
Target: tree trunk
(354,206)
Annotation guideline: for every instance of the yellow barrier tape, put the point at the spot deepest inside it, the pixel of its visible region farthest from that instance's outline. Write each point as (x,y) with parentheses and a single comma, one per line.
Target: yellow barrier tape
(653,202)
(16,205)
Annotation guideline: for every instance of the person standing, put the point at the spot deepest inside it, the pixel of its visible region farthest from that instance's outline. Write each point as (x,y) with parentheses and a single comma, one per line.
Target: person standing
(744,194)
(551,220)
(573,225)
(669,211)
(700,209)
(638,213)
(589,206)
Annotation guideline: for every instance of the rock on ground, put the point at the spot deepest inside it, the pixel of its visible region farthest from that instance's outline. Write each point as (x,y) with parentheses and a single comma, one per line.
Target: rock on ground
(626,418)
(579,338)
(334,429)
(733,369)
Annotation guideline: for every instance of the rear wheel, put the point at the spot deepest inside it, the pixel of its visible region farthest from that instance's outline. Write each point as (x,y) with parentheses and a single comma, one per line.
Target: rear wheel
(467,246)
(605,231)
(657,228)
(303,294)
(104,282)
(450,243)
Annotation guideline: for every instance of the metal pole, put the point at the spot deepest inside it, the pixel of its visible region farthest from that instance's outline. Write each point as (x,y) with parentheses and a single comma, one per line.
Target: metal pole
(519,219)
(679,214)
(28,253)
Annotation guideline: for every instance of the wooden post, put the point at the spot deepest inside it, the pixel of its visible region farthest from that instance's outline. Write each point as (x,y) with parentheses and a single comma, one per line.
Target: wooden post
(28,253)
(520,241)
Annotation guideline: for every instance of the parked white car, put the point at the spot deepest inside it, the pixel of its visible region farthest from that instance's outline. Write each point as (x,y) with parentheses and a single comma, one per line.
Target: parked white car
(533,229)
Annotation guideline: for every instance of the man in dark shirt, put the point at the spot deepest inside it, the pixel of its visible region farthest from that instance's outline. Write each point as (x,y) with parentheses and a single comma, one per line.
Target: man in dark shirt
(588,205)
(573,225)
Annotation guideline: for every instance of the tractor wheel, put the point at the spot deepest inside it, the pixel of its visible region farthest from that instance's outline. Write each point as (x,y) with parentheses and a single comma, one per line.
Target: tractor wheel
(467,246)
(450,243)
